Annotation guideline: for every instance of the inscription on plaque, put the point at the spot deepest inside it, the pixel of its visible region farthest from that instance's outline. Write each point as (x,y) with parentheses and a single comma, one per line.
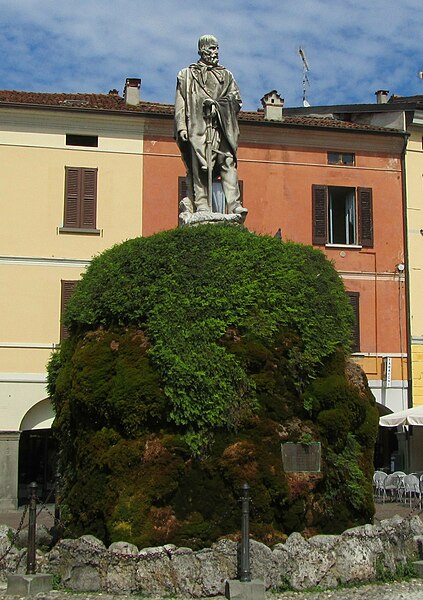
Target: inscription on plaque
(301,458)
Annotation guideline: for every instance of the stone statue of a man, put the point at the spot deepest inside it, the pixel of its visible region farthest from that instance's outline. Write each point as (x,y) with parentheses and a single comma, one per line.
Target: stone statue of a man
(206,130)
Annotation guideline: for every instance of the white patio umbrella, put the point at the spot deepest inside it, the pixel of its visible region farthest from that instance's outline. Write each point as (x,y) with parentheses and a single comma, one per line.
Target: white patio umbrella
(411,416)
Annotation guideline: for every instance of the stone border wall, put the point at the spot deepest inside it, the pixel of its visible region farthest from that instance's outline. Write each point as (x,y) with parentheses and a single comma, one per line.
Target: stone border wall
(85,564)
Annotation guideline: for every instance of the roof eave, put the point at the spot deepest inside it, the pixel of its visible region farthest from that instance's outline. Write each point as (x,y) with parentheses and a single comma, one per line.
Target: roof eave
(82,109)
(395,132)
(353,108)
(155,115)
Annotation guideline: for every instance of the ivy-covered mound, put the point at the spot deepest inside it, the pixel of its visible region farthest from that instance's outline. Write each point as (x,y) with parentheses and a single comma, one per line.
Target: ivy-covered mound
(193,354)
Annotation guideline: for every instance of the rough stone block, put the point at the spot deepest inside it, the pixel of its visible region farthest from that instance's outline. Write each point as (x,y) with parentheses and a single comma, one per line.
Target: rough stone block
(29,585)
(84,578)
(244,590)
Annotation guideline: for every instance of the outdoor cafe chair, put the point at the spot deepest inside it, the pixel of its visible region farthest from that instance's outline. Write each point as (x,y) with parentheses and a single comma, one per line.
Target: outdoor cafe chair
(378,488)
(411,485)
(393,486)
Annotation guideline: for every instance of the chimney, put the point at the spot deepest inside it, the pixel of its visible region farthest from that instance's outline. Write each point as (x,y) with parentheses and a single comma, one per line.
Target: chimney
(272,104)
(132,90)
(382,96)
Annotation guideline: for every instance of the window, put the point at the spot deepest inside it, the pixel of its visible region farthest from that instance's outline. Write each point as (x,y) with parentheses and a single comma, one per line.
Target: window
(67,289)
(341,158)
(342,215)
(81,140)
(183,188)
(354,298)
(80,200)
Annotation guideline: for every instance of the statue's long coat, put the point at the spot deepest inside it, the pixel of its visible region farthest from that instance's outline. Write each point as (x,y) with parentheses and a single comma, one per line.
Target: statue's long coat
(194,84)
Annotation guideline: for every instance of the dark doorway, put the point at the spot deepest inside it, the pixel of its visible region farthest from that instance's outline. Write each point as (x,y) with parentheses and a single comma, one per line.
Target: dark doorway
(386,444)
(385,449)
(37,462)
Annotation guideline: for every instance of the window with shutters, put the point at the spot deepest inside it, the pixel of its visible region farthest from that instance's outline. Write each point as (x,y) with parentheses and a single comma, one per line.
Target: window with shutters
(217,191)
(342,216)
(67,289)
(354,298)
(80,209)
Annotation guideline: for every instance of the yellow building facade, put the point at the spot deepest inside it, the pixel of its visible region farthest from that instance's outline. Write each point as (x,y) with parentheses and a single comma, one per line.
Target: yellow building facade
(42,249)
(414,183)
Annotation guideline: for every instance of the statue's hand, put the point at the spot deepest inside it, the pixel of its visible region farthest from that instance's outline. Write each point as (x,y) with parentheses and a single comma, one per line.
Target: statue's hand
(183,135)
(209,107)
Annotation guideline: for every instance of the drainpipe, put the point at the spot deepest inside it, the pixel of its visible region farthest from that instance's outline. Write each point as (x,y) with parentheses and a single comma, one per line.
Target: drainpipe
(407,275)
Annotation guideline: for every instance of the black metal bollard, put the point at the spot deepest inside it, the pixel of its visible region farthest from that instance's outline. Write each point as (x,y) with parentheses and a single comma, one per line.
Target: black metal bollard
(32,526)
(56,530)
(245,573)
(57,501)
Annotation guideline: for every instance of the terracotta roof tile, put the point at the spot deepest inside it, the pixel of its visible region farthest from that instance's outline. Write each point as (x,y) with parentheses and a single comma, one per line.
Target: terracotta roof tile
(87,101)
(113,102)
(310,121)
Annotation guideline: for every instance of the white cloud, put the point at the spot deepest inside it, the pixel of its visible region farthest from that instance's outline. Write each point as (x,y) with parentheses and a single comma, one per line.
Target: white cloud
(93,45)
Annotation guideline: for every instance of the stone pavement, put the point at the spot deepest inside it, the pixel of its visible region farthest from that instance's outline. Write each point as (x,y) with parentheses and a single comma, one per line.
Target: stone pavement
(383,511)
(12,518)
(388,510)
(410,590)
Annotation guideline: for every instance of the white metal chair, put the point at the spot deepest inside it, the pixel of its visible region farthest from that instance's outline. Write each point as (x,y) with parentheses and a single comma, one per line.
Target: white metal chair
(378,480)
(393,486)
(411,485)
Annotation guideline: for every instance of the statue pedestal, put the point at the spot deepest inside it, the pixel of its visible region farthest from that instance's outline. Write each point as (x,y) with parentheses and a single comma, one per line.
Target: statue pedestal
(189,218)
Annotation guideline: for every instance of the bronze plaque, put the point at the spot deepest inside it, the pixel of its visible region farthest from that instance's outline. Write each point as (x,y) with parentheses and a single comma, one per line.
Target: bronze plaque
(301,458)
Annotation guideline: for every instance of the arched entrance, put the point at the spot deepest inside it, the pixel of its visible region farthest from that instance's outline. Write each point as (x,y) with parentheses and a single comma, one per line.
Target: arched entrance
(37,452)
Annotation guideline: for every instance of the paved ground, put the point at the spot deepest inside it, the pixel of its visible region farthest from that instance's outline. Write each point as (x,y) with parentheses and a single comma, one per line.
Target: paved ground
(12,518)
(411,590)
(45,517)
(389,509)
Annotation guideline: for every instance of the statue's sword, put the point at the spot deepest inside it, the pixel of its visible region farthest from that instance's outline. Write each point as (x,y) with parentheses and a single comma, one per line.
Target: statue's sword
(209,159)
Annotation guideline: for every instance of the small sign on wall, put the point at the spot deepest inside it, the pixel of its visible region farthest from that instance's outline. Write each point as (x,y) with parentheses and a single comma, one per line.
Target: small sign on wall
(301,458)
(387,371)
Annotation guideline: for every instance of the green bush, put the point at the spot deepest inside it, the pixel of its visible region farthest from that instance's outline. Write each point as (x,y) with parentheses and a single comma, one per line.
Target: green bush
(187,287)
(192,355)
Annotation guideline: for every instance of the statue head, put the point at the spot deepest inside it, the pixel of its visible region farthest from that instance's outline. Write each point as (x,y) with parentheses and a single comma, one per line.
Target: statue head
(208,49)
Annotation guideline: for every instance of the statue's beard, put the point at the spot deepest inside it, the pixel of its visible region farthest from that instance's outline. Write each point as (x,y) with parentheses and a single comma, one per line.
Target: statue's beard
(210,60)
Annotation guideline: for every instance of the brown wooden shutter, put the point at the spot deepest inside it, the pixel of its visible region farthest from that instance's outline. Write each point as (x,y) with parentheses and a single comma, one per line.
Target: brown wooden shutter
(320,214)
(72,191)
(354,298)
(67,289)
(80,198)
(365,217)
(89,198)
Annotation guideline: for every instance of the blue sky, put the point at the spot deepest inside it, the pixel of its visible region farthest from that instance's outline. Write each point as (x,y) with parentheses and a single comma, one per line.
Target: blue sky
(353,48)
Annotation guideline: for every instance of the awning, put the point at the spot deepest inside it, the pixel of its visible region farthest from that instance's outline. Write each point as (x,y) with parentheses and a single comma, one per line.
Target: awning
(411,416)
